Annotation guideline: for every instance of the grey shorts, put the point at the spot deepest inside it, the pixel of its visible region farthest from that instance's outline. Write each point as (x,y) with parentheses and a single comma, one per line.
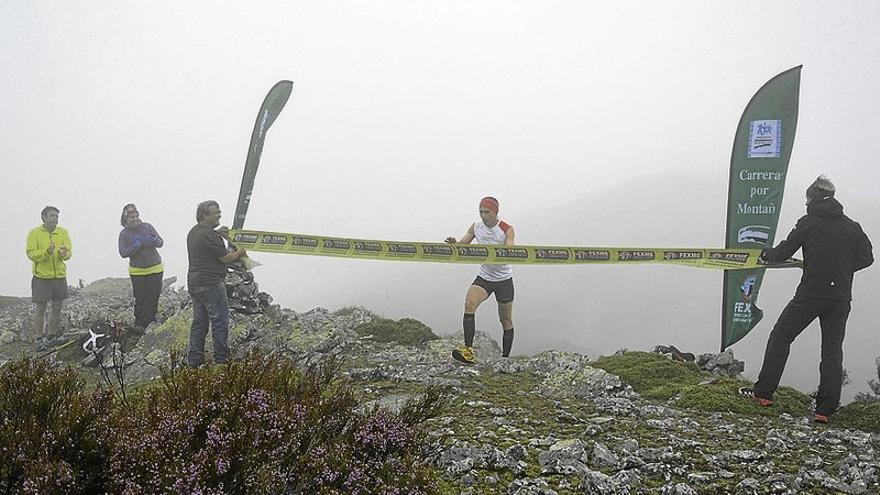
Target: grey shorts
(48,289)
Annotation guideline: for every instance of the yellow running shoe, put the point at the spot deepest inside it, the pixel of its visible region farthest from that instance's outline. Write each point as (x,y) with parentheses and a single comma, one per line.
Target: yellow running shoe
(464,354)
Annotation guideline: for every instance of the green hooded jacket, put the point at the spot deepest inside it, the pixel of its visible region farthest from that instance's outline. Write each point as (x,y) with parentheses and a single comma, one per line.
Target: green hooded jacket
(47,265)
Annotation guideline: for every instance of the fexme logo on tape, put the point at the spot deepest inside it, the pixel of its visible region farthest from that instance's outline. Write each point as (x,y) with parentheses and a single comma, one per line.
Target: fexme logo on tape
(276,242)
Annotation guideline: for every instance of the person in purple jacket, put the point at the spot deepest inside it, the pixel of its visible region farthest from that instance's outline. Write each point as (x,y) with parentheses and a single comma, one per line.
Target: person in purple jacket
(138,242)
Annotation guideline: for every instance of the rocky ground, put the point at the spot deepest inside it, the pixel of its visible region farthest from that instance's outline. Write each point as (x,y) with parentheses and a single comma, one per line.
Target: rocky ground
(555,423)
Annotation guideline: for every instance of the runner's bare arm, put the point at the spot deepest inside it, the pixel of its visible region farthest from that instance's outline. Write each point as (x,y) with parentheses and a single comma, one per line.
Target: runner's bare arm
(511,234)
(468,237)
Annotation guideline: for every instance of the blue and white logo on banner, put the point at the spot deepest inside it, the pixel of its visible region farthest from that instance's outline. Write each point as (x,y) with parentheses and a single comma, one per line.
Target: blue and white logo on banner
(765,138)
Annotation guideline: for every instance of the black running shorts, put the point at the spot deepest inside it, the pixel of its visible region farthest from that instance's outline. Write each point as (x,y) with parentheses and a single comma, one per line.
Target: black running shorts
(503,290)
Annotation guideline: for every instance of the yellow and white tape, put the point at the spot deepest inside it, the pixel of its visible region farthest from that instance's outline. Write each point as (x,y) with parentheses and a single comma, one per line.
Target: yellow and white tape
(441,252)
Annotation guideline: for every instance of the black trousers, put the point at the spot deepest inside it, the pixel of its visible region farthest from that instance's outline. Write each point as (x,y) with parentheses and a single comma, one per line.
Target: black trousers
(146,290)
(800,312)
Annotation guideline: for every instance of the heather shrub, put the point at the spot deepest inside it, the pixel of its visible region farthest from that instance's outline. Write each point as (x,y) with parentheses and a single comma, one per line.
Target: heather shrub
(50,429)
(407,331)
(260,426)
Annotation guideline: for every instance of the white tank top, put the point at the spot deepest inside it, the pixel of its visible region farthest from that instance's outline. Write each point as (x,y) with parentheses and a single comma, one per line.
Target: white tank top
(493,235)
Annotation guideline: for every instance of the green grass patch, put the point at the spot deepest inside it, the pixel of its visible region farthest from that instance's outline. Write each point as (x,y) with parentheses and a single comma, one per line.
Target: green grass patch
(652,375)
(859,416)
(723,396)
(656,377)
(406,331)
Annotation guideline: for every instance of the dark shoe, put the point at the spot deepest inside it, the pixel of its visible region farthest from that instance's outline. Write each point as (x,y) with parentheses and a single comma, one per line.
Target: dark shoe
(821,418)
(749,393)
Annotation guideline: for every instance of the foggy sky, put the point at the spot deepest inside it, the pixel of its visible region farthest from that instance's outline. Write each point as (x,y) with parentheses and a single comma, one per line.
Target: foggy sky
(594,123)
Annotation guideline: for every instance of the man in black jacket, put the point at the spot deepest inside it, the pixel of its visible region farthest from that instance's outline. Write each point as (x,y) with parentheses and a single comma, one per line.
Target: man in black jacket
(834,247)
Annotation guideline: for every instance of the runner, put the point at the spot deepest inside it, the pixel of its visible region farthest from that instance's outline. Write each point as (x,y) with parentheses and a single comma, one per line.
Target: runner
(497,279)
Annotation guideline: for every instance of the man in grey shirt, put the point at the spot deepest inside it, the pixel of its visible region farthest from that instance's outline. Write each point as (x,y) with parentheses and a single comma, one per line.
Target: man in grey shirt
(206,277)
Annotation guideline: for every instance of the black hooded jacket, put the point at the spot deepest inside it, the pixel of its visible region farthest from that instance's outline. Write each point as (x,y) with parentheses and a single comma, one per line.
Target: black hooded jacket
(834,247)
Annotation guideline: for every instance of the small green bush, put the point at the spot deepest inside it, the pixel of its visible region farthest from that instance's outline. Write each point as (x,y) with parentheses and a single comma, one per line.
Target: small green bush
(723,396)
(406,331)
(657,377)
(863,416)
(652,375)
(50,429)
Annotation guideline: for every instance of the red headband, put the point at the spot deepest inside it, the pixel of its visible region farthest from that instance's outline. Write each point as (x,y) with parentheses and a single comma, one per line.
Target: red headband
(490,203)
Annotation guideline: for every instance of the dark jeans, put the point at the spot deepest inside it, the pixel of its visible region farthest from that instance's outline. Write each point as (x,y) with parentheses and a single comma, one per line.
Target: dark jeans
(146,290)
(800,312)
(209,303)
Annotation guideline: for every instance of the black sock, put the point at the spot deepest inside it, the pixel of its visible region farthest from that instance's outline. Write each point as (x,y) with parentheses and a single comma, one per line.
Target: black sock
(507,342)
(470,328)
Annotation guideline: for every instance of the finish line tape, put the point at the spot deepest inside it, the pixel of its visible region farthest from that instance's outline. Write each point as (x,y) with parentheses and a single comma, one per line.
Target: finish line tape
(441,252)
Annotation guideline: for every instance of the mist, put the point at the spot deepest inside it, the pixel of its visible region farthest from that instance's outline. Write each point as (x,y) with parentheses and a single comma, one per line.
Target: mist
(593,124)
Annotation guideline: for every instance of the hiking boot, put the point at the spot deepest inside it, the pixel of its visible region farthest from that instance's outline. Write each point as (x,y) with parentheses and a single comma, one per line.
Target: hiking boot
(464,354)
(821,418)
(748,392)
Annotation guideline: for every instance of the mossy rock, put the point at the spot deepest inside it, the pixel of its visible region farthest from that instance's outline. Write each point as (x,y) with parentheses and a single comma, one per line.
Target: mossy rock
(174,332)
(406,331)
(657,377)
(723,396)
(863,416)
(652,375)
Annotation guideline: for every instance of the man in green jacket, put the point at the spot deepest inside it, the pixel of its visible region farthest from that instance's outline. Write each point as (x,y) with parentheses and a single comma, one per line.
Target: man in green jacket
(48,247)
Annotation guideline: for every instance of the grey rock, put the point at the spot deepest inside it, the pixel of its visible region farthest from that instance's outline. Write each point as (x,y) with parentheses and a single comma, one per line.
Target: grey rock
(678,489)
(701,477)
(585,382)
(530,486)
(509,366)
(459,467)
(721,364)
(748,486)
(743,455)
(622,483)
(603,457)
(543,442)
(460,458)
(565,457)
(391,403)
(553,362)
(516,452)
